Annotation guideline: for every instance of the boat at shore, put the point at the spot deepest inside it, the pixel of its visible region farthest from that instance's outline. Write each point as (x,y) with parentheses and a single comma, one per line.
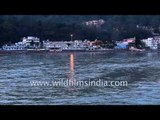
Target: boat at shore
(136,49)
(50,51)
(23,51)
(36,50)
(98,49)
(12,51)
(55,49)
(59,50)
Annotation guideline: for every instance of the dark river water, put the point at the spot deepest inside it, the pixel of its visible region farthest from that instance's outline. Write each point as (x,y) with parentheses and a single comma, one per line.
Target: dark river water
(140,70)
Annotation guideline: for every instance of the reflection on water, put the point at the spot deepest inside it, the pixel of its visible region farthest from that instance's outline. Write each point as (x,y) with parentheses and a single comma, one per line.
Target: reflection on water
(141,70)
(71,67)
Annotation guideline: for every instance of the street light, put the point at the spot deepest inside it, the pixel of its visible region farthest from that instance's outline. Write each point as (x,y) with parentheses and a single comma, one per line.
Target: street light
(71,37)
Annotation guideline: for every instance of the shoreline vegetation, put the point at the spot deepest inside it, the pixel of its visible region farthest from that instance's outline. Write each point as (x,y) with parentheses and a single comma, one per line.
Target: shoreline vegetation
(59,27)
(61,33)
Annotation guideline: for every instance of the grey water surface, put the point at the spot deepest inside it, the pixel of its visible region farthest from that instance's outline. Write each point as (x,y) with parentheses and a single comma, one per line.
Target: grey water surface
(140,69)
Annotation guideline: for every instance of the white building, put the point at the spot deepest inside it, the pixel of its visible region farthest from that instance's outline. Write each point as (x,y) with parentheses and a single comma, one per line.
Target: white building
(31,42)
(16,46)
(57,44)
(95,22)
(79,44)
(152,43)
(65,45)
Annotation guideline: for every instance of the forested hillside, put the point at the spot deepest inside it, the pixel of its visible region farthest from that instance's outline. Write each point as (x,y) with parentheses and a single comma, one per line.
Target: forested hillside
(59,27)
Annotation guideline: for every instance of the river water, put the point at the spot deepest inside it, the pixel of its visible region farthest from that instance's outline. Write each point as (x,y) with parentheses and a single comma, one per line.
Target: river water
(141,70)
